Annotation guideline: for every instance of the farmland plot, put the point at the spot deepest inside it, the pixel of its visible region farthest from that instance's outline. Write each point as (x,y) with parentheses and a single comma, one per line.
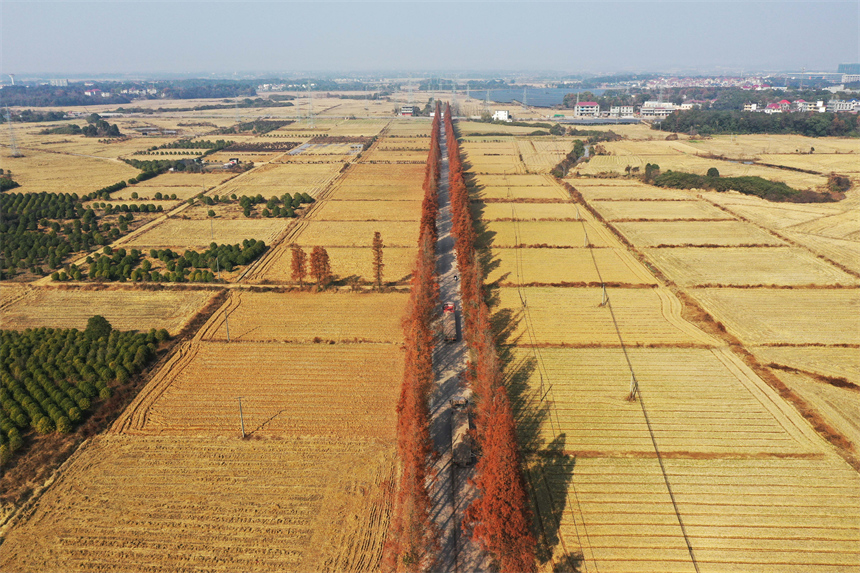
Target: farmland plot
(369,174)
(573,316)
(838,406)
(793,316)
(368,211)
(698,401)
(550,233)
(287,390)
(198,180)
(690,266)
(833,361)
(625,190)
(844,252)
(615,210)
(357,233)
(199,233)
(529,211)
(182,503)
(55,308)
(38,172)
(514,193)
(696,233)
(275,179)
(302,317)
(406,190)
(843,163)
(525,266)
(490,180)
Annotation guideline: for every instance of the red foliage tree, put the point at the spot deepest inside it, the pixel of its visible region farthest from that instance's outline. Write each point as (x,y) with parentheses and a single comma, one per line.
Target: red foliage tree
(320,266)
(299,264)
(500,519)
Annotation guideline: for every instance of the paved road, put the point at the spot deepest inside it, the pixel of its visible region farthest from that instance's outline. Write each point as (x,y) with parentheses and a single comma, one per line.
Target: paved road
(451,492)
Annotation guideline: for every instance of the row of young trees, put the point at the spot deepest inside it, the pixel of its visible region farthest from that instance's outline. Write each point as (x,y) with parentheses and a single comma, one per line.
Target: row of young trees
(50,377)
(500,518)
(412,540)
(190,266)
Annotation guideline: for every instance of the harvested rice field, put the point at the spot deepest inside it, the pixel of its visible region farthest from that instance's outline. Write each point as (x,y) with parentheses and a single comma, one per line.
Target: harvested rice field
(554,266)
(56,308)
(832,361)
(367,211)
(838,406)
(624,190)
(753,515)
(659,210)
(782,266)
(489,180)
(303,317)
(383,191)
(696,233)
(574,316)
(357,233)
(698,401)
(182,503)
(293,390)
(512,193)
(549,233)
(786,316)
(199,233)
(529,211)
(39,171)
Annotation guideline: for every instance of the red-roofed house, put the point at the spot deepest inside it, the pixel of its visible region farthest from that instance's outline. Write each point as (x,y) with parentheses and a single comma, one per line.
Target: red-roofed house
(587,109)
(773,108)
(785,105)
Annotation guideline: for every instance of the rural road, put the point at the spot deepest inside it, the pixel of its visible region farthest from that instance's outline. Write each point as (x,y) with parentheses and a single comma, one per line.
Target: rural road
(451,492)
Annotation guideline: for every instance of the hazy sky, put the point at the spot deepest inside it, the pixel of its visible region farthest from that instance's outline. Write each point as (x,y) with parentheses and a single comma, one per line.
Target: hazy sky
(225,37)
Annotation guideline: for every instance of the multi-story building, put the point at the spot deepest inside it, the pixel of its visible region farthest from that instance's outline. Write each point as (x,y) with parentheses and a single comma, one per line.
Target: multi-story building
(587,109)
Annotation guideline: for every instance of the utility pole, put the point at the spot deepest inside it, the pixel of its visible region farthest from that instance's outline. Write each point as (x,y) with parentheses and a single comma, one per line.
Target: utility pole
(13,147)
(241,417)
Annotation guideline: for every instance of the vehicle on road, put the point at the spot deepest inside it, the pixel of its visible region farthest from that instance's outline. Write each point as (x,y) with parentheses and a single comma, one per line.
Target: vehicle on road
(449,322)
(461,441)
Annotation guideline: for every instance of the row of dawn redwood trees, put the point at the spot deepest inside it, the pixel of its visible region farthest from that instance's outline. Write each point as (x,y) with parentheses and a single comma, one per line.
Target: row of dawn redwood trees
(500,519)
(412,540)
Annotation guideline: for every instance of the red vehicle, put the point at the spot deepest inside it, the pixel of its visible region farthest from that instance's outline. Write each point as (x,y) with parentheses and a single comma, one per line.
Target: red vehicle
(449,322)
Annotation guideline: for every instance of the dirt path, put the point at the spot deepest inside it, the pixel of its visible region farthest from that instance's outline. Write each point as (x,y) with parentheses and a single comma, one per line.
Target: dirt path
(451,493)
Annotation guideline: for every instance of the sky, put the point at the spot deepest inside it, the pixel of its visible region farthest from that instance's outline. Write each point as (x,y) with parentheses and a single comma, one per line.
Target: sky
(145,37)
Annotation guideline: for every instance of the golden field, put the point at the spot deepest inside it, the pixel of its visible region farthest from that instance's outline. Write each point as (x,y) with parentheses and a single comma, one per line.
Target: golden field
(573,316)
(526,266)
(763,316)
(26,307)
(302,317)
(690,266)
(682,233)
(549,233)
(666,210)
(199,233)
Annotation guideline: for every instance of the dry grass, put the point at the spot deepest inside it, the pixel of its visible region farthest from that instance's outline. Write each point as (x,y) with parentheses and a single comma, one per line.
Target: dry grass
(684,233)
(56,308)
(197,180)
(514,193)
(514,180)
(798,316)
(747,266)
(348,263)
